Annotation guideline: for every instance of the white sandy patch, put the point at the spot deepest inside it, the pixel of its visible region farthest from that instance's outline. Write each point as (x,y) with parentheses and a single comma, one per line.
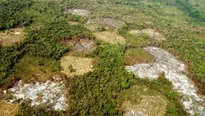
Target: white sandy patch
(52,94)
(80,12)
(174,72)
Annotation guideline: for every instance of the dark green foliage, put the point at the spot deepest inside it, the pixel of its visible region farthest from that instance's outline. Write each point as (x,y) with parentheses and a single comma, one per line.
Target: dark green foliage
(45,42)
(11,13)
(199,16)
(95,93)
(26,110)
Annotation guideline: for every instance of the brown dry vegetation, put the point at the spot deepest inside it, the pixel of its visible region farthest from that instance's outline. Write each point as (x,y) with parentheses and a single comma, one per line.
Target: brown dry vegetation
(7,109)
(141,99)
(33,68)
(9,37)
(110,37)
(150,32)
(95,27)
(72,65)
(137,55)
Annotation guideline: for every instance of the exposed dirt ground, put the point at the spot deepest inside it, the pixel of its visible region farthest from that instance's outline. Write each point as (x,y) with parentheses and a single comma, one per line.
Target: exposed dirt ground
(52,94)
(80,12)
(80,45)
(8,38)
(72,65)
(141,101)
(150,32)
(110,37)
(7,109)
(106,21)
(175,71)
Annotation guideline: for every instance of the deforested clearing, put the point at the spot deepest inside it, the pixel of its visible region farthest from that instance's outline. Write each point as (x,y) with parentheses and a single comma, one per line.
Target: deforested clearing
(174,70)
(110,37)
(72,65)
(107,21)
(52,94)
(7,109)
(80,45)
(80,12)
(9,37)
(149,32)
(142,101)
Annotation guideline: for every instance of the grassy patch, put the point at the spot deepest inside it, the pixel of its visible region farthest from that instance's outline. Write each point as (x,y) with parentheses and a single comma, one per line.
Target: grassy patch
(137,55)
(72,65)
(36,68)
(7,109)
(110,37)
(11,36)
(143,99)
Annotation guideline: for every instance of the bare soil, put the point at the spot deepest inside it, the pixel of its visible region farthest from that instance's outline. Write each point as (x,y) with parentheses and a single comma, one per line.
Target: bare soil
(80,12)
(80,45)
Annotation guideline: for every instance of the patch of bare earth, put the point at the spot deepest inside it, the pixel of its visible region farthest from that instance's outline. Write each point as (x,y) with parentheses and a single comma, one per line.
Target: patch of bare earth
(141,101)
(106,21)
(51,94)
(7,109)
(9,37)
(79,12)
(72,65)
(80,45)
(149,32)
(110,37)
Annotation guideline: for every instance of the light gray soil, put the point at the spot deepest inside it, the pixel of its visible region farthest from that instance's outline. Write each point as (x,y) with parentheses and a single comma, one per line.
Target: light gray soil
(52,94)
(80,12)
(173,70)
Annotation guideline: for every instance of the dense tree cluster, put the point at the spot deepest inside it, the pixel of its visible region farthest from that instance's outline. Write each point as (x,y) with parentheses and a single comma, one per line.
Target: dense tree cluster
(95,93)
(193,12)
(11,13)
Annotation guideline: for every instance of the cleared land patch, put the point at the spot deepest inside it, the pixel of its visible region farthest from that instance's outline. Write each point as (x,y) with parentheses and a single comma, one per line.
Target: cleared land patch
(52,94)
(110,37)
(174,70)
(141,101)
(137,55)
(106,21)
(72,65)
(7,109)
(80,12)
(80,45)
(150,32)
(8,38)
